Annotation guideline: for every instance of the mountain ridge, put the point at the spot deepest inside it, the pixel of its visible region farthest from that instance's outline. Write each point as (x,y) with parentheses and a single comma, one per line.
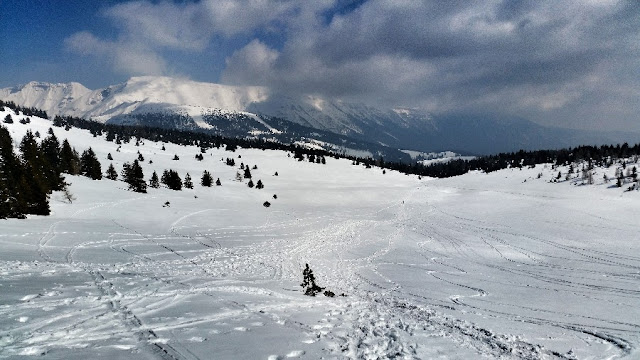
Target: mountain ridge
(397,128)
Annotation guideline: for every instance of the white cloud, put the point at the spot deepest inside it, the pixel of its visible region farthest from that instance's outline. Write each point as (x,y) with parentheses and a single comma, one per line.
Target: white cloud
(163,25)
(147,29)
(518,57)
(127,58)
(251,65)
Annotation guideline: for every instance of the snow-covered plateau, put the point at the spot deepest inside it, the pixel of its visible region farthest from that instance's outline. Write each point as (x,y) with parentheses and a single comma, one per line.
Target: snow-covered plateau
(500,265)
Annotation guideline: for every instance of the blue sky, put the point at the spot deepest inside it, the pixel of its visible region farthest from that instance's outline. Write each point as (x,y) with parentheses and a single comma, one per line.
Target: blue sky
(571,63)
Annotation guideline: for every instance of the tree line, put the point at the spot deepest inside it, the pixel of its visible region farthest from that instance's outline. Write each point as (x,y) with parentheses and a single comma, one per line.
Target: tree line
(600,155)
(27,179)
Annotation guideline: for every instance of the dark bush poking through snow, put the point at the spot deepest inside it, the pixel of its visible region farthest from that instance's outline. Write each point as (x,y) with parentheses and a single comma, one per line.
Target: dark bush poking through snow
(309,284)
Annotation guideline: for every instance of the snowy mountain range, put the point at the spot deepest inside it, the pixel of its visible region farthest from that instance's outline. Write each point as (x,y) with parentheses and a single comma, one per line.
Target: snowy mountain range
(256,111)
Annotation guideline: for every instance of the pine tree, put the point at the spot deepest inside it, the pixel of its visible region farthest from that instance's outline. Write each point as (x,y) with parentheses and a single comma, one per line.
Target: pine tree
(33,182)
(188,183)
(154,182)
(218,183)
(207,179)
(8,119)
(109,157)
(133,175)
(89,165)
(34,190)
(12,202)
(69,159)
(171,179)
(51,150)
(111,173)
(250,183)
(259,185)
(247,173)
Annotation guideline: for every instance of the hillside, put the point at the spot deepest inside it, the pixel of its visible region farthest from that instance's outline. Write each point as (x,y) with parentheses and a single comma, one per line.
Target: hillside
(500,265)
(255,111)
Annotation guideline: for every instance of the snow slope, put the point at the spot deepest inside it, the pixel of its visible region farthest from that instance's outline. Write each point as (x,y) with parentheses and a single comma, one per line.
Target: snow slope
(481,265)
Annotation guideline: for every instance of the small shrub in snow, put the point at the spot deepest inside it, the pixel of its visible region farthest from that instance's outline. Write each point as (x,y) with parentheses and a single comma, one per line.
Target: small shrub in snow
(66,193)
(309,282)
(266,204)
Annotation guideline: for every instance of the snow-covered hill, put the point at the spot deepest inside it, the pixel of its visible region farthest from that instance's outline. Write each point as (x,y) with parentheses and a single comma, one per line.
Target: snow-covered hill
(137,95)
(501,265)
(398,128)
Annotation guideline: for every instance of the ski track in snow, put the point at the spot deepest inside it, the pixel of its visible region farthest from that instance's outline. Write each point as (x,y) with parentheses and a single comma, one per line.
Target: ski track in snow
(459,268)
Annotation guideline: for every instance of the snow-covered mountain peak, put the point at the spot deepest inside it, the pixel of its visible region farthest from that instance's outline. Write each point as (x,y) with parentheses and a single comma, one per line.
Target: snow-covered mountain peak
(141,93)
(178,91)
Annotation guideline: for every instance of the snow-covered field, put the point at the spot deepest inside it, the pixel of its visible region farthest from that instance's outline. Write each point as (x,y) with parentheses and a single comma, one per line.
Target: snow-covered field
(481,265)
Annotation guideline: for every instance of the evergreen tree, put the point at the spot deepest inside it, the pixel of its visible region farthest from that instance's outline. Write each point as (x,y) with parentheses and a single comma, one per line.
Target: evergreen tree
(140,157)
(250,183)
(12,204)
(259,185)
(247,173)
(218,183)
(154,182)
(8,119)
(207,179)
(111,173)
(188,183)
(133,175)
(51,150)
(171,179)
(69,159)
(89,165)
(34,194)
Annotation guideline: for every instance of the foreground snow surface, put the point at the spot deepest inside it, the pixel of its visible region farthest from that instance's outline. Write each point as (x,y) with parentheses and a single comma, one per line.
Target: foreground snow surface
(473,266)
